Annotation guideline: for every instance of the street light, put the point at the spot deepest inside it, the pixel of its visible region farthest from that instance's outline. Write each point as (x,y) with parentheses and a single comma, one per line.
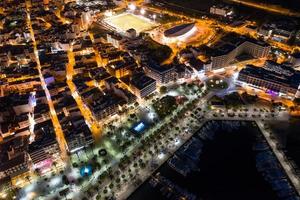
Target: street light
(3,195)
(161,156)
(177,141)
(132,7)
(154,17)
(143,11)
(151,115)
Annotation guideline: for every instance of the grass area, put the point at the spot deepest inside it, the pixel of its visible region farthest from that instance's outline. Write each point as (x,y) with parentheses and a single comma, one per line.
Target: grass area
(167,19)
(127,21)
(249,99)
(165,106)
(232,100)
(157,52)
(216,83)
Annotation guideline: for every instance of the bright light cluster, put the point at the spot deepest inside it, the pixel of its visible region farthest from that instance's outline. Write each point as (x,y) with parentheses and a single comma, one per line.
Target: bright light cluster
(126,21)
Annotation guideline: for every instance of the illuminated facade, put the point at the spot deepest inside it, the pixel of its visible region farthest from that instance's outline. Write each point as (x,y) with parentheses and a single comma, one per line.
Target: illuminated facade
(273,79)
(162,74)
(226,53)
(142,85)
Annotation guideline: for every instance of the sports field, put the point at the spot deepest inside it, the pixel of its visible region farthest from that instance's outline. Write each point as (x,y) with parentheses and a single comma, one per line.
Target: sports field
(126,21)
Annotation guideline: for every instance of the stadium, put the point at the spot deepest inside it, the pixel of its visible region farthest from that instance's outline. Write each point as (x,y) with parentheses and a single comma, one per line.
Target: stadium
(125,21)
(180,32)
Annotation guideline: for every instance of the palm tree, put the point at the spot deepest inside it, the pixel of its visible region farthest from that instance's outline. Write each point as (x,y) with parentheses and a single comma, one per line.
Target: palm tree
(92,148)
(28,179)
(75,165)
(98,197)
(37,172)
(119,186)
(105,191)
(105,161)
(55,165)
(65,180)
(143,165)
(118,180)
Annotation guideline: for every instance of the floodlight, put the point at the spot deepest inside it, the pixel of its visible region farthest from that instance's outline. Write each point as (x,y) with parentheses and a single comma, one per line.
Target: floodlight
(132,7)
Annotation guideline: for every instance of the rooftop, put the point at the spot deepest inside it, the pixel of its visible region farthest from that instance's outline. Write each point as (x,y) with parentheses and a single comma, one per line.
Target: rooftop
(291,79)
(152,65)
(141,81)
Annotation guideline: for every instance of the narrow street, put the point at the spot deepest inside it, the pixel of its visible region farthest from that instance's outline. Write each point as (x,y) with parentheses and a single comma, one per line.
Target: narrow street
(85,111)
(57,127)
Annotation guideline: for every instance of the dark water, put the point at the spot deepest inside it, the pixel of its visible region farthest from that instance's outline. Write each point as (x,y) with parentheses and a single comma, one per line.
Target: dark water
(290,4)
(227,170)
(288,133)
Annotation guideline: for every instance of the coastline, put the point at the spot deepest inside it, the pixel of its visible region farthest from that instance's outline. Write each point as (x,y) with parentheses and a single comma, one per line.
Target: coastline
(165,167)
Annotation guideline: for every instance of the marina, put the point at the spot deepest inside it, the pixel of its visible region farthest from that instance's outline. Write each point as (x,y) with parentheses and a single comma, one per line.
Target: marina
(231,160)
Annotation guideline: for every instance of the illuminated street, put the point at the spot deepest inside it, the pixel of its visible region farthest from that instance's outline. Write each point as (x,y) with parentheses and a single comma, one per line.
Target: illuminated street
(58,130)
(92,123)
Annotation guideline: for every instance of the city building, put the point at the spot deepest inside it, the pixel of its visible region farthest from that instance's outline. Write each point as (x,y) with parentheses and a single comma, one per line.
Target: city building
(114,39)
(196,65)
(122,67)
(273,78)
(183,71)
(231,46)
(86,19)
(104,104)
(14,159)
(142,85)
(162,74)
(77,134)
(294,59)
(279,30)
(14,113)
(44,150)
(221,10)
(131,33)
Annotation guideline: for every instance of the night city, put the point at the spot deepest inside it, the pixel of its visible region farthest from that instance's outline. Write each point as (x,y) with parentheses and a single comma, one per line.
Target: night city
(149,100)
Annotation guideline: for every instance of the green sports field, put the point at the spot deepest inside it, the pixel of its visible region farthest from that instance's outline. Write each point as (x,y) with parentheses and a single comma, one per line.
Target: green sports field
(126,21)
